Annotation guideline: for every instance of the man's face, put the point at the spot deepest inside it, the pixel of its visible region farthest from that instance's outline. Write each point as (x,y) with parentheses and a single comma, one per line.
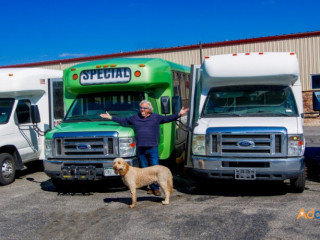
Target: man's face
(144,110)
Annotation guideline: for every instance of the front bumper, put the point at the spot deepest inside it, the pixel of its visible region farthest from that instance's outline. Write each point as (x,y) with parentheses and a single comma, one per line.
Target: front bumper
(81,169)
(265,169)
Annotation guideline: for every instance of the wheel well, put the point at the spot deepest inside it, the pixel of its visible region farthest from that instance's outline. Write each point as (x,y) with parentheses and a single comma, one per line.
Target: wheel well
(13,151)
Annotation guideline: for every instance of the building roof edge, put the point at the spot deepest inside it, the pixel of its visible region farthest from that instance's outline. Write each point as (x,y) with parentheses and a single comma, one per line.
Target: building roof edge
(168,49)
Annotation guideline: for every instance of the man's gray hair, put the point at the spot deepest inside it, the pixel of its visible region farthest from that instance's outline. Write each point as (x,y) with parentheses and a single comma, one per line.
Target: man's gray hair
(149,105)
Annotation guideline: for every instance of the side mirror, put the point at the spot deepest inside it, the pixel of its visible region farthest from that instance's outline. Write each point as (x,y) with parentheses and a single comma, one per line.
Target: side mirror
(316,101)
(35,115)
(165,105)
(176,104)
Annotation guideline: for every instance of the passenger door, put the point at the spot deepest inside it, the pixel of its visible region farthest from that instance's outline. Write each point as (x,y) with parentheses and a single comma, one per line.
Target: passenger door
(193,113)
(28,137)
(56,105)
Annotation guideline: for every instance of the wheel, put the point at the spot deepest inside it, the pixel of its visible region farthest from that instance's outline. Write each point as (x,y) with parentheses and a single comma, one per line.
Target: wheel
(8,169)
(298,184)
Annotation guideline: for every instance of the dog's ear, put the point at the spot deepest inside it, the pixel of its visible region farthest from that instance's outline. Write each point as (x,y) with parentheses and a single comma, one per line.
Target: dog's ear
(125,167)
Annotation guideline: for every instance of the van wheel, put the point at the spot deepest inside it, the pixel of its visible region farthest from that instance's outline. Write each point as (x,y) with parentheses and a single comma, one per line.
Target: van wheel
(298,184)
(8,169)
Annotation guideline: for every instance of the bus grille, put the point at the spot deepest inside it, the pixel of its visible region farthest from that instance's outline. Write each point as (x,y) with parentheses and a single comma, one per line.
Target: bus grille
(251,142)
(86,147)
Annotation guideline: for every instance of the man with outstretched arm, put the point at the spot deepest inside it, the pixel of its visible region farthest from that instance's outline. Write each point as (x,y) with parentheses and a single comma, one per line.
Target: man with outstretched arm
(146,125)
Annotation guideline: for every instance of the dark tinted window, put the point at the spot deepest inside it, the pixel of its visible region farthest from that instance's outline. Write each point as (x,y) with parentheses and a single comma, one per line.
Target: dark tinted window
(23,111)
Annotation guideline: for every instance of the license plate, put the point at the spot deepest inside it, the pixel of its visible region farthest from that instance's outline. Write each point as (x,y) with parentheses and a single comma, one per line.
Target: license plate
(245,174)
(109,172)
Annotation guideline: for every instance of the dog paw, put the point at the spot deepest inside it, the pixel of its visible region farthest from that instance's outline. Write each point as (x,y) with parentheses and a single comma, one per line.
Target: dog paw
(132,206)
(165,202)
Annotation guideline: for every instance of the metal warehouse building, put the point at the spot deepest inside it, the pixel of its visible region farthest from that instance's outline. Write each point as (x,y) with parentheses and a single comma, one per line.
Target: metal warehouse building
(305,45)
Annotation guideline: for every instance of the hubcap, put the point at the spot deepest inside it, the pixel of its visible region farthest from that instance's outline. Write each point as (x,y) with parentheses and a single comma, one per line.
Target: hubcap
(7,169)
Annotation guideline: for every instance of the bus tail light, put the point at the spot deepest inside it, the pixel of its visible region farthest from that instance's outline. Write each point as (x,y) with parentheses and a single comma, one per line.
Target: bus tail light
(75,76)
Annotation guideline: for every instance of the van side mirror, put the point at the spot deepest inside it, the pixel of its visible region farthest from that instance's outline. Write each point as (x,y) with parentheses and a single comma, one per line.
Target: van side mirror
(35,115)
(316,101)
(176,104)
(165,105)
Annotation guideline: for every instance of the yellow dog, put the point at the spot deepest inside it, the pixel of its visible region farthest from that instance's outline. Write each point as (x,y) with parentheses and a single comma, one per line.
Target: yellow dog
(134,178)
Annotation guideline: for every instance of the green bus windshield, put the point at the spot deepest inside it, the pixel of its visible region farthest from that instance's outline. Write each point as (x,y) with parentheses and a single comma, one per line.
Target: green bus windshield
(88,107)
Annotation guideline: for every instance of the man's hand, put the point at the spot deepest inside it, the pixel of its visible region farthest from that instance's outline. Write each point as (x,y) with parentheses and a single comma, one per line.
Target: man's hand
(106,115)
(183,111)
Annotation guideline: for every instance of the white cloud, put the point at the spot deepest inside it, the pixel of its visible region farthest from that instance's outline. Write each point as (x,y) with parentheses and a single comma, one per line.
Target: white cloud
(72,55)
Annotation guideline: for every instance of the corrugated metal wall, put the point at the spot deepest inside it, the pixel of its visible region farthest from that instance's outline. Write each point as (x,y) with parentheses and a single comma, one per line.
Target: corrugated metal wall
(306,48)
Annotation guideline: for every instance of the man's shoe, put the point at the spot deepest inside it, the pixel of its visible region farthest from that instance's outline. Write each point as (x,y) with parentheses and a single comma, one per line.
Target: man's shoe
(157,192)
(149,191)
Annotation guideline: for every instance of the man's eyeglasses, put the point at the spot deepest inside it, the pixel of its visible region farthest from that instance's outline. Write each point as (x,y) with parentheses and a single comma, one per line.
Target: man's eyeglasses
(144,108)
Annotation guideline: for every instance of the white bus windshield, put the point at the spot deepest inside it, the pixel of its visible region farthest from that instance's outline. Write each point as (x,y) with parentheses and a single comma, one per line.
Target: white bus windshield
(89,107)
(6,105)
(260,101)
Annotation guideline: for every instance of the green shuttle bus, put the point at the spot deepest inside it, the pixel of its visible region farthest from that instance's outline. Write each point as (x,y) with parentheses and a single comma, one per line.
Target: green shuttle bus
(84,145)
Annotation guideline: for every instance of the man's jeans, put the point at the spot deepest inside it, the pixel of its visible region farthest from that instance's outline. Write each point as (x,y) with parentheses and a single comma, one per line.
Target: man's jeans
(149,156)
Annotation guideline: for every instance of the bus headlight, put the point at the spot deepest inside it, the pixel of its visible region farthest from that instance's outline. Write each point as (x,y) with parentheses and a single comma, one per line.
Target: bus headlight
(199,144)
(48,148)
(295,145)
(127,147)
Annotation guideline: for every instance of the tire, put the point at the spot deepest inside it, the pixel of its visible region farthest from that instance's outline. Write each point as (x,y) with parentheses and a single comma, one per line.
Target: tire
(298,184)
(8,169)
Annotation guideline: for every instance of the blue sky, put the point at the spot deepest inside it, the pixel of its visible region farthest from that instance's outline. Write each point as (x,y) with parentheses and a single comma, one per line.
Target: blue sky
(36,31)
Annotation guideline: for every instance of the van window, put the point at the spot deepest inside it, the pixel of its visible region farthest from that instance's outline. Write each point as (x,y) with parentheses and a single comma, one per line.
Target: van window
(5,109)
(23,111)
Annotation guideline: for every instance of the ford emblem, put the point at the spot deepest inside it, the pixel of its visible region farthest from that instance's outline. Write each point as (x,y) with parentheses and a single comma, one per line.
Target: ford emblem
(83,146)
(245,144)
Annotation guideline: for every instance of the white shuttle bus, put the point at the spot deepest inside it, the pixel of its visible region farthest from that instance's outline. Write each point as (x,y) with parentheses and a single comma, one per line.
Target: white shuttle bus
(31,102)
(246,118)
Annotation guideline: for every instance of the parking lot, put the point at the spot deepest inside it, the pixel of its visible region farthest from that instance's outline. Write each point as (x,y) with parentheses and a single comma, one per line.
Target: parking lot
(32,208)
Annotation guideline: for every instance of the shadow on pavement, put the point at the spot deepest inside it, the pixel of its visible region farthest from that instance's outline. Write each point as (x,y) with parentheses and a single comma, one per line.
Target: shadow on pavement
(84,187)
(31,167)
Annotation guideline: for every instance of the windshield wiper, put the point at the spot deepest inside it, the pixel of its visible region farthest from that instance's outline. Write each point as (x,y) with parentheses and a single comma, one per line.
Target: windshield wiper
(75,119)
(218,114)
(273,113)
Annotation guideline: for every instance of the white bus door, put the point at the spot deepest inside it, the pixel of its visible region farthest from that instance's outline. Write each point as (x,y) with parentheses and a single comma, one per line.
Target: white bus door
(56,104)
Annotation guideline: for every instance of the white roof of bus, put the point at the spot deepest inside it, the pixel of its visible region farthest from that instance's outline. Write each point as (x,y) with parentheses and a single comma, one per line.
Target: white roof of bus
(270,68)
(25,81)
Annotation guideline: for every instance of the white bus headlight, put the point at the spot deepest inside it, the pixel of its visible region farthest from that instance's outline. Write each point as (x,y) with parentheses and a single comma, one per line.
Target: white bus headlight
(295,145)
(127,147)
(199,144)
(48,148)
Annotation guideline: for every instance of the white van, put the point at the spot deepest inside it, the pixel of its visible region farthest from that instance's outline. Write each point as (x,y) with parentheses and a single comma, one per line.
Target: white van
(31,102)
(245,118)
